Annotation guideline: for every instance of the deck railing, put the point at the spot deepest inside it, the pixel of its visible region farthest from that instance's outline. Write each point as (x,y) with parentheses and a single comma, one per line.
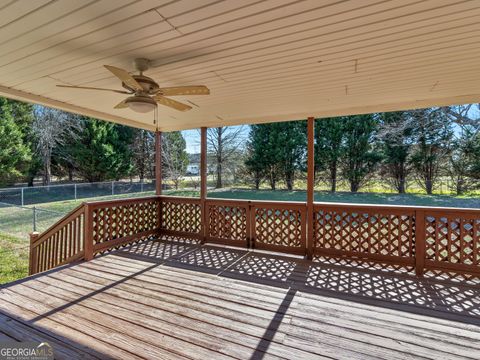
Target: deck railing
(62,243)
(93,228)
(419,237)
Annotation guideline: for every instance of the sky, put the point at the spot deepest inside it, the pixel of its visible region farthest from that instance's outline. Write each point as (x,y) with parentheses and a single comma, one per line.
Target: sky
(192,138)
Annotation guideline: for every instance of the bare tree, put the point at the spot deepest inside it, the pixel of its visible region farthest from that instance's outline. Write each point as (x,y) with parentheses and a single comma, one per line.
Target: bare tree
(396,140)
(52,128)
(463,156)
(174,156)
(224,143)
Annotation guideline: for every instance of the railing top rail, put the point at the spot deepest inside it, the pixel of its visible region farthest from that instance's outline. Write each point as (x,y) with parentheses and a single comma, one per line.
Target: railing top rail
(175,197)
(99,203)
(399,207)
(72,214)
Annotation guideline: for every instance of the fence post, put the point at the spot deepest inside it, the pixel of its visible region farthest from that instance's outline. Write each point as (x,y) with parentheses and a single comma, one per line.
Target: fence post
(32,262)
(113,187)
(34,219)
(23,203)
(419,242)
(88,233)
(75,187)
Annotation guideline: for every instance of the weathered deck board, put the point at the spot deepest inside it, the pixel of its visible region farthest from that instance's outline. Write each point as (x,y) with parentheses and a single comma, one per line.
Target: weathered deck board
(174,300)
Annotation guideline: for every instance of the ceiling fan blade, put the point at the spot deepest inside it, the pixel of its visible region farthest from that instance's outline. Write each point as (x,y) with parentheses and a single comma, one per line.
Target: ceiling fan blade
(171,103)
(93,88)
(121,105)
(124,76)
(184,90)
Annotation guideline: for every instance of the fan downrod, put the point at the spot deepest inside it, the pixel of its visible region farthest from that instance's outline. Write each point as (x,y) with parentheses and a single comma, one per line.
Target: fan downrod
(141,64)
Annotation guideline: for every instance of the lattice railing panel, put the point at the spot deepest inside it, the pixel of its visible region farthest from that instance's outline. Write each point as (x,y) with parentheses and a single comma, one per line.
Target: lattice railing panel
(364,232)
(181,215)
(228,222)
(123,220)
(279,226)
(452,239)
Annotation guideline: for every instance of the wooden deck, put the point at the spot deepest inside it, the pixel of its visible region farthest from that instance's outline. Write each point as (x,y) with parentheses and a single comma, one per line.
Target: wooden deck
(176,299)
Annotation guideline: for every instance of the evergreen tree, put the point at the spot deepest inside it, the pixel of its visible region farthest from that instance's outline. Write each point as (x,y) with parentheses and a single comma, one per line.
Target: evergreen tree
(102,151)
(329,135)
(143,152)
(253,165)
(291,140)
(264,153)
(14,153)
(277,150)
(360,156)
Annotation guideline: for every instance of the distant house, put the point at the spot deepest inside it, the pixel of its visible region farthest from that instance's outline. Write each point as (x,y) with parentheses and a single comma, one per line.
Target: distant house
(193,167)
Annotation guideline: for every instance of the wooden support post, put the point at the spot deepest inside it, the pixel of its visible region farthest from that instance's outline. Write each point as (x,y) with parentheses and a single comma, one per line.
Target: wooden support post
(88,233)
(310,184)
(203,180)
(32,264)
(419,242)
(158,162)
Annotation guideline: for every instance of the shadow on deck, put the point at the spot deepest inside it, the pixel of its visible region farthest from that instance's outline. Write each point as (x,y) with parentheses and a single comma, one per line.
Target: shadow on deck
(175,298)
(369,283)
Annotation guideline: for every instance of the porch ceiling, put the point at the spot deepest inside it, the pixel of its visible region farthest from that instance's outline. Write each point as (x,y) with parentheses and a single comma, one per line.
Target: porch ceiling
(264,61)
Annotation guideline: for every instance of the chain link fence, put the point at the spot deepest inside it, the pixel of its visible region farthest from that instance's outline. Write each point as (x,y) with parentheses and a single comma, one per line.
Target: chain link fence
(21,209)
(19,221)
(23,196)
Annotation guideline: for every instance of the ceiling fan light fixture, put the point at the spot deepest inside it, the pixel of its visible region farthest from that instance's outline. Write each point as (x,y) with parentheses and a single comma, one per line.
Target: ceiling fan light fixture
(141,104)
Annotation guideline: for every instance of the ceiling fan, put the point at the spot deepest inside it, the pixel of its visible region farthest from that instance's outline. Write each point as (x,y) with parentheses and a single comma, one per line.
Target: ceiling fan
(145,92)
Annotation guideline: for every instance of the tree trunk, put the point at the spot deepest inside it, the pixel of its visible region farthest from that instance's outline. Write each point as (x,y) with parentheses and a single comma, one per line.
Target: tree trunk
(289,180)
(429,186)
(272,180)
(47,172)
(257,181)
(70,174)
(459,187)
(333,177)
(401,186)
(219,184)
(354,186)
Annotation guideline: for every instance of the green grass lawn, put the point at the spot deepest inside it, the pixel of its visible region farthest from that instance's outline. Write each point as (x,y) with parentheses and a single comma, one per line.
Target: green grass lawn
(342,197)
(13,258)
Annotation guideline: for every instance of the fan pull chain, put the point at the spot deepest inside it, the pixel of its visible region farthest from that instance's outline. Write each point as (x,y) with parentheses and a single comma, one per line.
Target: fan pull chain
(155,116)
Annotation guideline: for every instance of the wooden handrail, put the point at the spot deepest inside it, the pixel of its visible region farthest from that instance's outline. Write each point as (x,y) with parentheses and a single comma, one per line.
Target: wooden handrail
(59,223)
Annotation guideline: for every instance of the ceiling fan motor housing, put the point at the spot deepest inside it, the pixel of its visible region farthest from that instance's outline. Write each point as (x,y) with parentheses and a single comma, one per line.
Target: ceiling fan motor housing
(149,86)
